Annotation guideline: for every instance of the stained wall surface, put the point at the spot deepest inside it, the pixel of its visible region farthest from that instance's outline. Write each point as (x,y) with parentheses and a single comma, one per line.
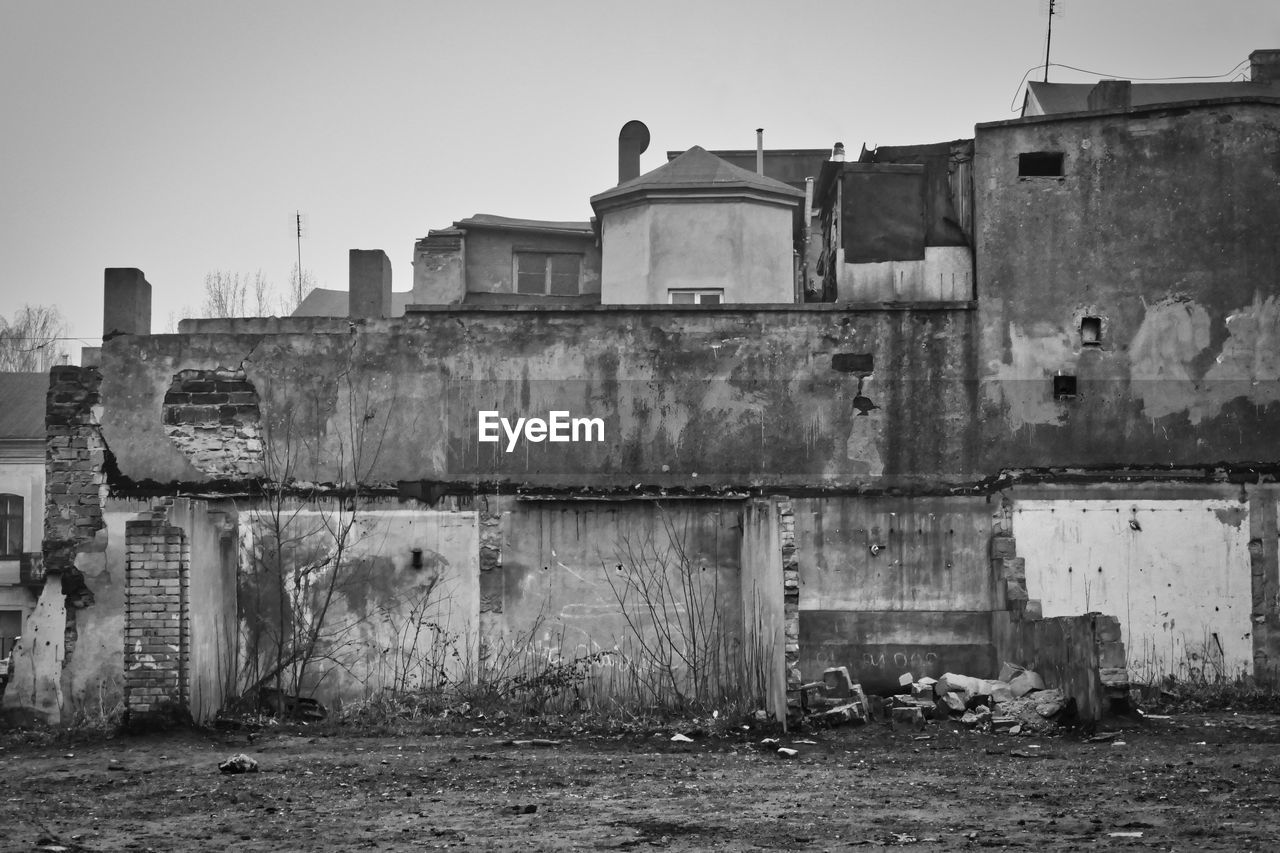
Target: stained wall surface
(689,399)
(1180,582)
(1155,228)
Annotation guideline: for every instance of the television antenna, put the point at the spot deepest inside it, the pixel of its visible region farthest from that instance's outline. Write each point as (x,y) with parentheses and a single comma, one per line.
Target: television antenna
(1053,7)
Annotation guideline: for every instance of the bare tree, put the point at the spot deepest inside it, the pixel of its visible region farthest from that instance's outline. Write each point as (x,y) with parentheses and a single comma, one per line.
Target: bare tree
(32,340)
(301,283)
(229,294)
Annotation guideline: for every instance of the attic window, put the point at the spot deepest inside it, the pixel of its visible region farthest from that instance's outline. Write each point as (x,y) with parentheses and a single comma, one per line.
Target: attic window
(1040,164)
(548,274)
(696,296)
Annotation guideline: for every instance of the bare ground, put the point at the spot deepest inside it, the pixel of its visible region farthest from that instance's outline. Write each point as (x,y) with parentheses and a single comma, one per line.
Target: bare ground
(1191,782)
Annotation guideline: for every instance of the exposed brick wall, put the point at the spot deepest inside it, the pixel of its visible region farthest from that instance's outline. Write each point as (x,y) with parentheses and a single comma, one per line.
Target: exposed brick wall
(790,590)
(75,459)
(212,416)
(157,623)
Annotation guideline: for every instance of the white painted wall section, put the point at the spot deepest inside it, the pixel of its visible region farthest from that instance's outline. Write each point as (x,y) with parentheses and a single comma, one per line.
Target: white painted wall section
(1180,583)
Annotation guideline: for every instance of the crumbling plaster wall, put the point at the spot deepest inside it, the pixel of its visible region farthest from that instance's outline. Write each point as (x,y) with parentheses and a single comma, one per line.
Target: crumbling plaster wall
(1158,227)
(389,623)
(1177,572)
(565,567)
(708,399)
(894,585)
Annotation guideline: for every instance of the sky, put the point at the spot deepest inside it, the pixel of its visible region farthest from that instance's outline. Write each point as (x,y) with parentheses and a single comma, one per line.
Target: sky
(181,137)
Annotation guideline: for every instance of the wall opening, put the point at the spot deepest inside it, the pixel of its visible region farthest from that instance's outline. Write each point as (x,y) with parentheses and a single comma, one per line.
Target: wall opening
(1040,164)
(1064,387)
(1091,331)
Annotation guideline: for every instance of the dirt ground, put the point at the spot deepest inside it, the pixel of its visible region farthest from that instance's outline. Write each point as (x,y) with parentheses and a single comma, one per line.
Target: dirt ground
(1190,782)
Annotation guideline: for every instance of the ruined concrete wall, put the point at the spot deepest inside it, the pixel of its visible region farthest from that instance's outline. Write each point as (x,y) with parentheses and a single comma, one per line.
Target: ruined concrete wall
(689,399)
(581,578)
(895,585)
(1176,572)
(1080,655)
(1156,228)
(209,531)
(763,605)
(380,620)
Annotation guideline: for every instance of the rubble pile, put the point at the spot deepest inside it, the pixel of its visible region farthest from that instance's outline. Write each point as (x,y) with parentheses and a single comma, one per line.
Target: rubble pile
(1018,702)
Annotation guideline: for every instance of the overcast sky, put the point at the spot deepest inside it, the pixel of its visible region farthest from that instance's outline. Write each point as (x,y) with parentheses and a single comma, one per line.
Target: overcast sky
(180,137)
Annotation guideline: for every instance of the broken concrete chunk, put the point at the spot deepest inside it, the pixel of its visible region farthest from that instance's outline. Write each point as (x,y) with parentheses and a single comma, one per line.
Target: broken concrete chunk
(1009,671)
(1025,682)
(239,763)
(1049,702)
(679,738)
(905,680)
(788,753)
(851,712)
(954,702)
(838,682)
(912,715)
(999,691)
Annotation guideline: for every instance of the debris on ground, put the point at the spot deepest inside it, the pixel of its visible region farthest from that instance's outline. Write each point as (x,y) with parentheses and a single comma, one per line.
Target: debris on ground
(1017,703)
(239,763)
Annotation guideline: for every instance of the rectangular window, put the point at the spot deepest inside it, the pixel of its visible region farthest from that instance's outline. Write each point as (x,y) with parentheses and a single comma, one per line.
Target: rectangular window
(1040,164)
(10,526)
(10,629)
(548,274)
(696,296)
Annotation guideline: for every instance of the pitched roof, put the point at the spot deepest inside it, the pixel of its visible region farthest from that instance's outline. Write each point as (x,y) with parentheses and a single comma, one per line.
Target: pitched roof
(22,404)
(1053,98)
(488,220)
(698,170)
(322,302)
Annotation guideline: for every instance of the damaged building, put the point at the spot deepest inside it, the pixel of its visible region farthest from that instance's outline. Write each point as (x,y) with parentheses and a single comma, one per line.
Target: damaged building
(1010,398)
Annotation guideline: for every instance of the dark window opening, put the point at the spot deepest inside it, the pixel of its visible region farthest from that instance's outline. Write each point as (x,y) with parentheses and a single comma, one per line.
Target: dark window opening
(853,362)
(1040,164)
(1064,387)
(1091,331)
(545,273)
(10,526)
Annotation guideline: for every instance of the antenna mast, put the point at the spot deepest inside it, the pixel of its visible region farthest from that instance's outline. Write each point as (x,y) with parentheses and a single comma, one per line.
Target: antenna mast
(1048,39)
(297,286)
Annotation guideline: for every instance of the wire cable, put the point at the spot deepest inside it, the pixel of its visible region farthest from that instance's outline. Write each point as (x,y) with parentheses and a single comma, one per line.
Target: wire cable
(1013,106)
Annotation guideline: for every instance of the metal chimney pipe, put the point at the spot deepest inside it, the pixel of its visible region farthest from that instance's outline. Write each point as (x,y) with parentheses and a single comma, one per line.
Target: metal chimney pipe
(759,150)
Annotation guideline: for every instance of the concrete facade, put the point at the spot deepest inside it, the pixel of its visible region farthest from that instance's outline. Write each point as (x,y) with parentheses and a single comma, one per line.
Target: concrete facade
(1073,463)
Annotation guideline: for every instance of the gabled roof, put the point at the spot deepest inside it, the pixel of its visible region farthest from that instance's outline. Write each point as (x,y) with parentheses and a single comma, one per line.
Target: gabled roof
(22,397)
(322,302)
(1054,98)
(698,171)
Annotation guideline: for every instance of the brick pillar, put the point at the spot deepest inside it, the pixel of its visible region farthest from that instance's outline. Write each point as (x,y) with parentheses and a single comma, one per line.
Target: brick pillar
(790,590)
(157,624)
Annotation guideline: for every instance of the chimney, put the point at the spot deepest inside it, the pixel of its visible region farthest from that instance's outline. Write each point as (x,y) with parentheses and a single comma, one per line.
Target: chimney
(369,284)
(633,140)
(1264,66)
(126,303)
(837,153)
(760,151)
(1111,95)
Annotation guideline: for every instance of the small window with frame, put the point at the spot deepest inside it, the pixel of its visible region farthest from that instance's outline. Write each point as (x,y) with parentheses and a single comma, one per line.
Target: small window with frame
(696,296)
(548,273)
(11,523)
